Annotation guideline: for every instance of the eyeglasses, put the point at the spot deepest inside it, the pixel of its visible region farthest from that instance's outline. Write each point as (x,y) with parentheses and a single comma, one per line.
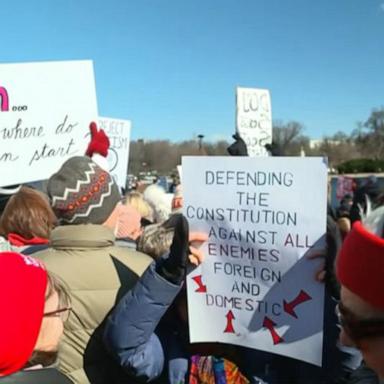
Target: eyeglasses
(63,313)
(356,327)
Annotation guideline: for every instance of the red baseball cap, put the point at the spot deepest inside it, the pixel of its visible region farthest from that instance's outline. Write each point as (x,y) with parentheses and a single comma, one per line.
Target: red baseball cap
(360,265)
(23,283)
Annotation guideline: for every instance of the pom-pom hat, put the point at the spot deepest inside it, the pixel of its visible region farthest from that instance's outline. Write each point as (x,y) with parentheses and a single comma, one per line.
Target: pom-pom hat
(23,283)
(99,141)
(98,146)
(360,265)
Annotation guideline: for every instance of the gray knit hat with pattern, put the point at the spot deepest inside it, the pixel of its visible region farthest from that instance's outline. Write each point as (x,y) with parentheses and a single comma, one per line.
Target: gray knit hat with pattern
(81,192)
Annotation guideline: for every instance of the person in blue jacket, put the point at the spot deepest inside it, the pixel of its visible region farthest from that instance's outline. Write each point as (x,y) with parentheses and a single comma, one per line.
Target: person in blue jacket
(147,332)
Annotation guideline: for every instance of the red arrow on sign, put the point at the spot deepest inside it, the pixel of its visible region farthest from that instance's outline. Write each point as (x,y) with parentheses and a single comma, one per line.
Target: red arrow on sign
(201,287)
(229,328)
(301,298)
(270,325)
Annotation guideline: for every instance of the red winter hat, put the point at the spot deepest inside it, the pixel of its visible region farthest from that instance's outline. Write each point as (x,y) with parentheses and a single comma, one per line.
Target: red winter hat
(99,142)
(360,265)
(23,282)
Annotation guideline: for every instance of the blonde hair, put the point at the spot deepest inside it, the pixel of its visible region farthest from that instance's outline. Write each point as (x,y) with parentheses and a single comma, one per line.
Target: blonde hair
(136,200)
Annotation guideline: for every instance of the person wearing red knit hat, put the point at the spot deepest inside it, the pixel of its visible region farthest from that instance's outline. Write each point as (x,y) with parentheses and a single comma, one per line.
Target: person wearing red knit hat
(360,271)
(31,323)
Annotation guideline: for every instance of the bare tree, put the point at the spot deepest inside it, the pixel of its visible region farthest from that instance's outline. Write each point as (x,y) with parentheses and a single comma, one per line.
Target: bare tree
(338,148)
(288,138)
(163,156)
(369,136)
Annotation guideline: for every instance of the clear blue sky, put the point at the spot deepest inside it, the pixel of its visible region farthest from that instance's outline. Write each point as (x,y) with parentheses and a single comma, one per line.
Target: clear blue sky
(172,66)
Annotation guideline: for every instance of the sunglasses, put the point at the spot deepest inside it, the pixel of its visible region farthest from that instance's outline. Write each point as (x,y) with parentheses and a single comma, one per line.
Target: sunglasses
(356,327)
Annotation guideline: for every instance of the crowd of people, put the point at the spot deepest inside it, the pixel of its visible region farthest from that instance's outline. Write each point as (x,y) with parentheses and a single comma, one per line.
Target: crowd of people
(92,289)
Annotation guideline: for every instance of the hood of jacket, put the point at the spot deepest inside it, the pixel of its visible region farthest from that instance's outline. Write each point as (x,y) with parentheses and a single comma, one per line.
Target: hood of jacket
(81,236)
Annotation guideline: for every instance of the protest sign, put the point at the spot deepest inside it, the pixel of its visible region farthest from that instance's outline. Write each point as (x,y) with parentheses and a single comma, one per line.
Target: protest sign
(256,286)
(254,119)
(45,111)
(180,171)
(344,186)
(119,132)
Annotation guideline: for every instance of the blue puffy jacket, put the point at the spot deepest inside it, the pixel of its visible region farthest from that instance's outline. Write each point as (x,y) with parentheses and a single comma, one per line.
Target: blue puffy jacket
(152,347)
(142,344)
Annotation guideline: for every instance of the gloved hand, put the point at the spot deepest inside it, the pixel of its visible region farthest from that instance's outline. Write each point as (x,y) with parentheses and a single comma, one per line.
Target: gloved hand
(99,142)
(273,149)
(238,148)
(174,267)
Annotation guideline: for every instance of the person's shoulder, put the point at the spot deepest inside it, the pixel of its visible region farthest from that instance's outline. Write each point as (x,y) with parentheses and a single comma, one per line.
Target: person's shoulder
(131,258)
(43,254)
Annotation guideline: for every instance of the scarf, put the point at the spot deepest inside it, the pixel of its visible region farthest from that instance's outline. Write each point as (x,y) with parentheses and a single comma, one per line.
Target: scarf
(212,370)
(19,241)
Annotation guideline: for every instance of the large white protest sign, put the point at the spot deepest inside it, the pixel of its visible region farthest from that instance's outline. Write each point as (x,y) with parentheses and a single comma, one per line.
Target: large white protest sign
(256,286)
(119,132)
(254,119)
(45,111)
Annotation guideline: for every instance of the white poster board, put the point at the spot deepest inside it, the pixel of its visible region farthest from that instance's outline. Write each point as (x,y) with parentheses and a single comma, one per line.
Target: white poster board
(119,133)
(256,288)
(254,119)
(45,110)
(180,171)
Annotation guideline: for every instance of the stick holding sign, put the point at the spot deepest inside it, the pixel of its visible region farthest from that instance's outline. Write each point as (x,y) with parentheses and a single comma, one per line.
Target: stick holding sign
(254,287)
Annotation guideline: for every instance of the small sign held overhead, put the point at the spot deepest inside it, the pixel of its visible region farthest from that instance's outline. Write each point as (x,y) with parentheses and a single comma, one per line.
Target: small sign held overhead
(254,119)
(118,132)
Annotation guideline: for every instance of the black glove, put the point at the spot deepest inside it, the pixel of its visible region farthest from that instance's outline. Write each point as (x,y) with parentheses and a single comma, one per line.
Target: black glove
(174,267)
(238,148)
(273,149)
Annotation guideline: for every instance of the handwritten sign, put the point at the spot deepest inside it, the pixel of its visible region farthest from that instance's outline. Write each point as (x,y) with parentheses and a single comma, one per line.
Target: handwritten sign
(45,109)
(256,287)
(119,132)
(254,119)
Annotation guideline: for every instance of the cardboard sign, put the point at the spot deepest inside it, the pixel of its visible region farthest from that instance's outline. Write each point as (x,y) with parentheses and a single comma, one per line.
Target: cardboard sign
(254,119)
(45,110)
(256,286)
(119,133)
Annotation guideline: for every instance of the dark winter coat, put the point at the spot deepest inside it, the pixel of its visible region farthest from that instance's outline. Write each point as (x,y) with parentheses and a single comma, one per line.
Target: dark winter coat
(36,376)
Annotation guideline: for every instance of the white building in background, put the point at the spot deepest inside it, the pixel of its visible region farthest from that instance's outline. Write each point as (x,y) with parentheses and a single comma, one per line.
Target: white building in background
(315,143)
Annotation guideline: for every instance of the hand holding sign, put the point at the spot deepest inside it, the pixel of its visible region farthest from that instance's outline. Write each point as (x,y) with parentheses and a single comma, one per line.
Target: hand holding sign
(320,254)
(196,239)
(238,148)
(174,267)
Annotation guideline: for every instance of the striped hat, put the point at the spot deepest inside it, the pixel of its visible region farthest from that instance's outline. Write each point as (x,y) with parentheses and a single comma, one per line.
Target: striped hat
(82,193)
